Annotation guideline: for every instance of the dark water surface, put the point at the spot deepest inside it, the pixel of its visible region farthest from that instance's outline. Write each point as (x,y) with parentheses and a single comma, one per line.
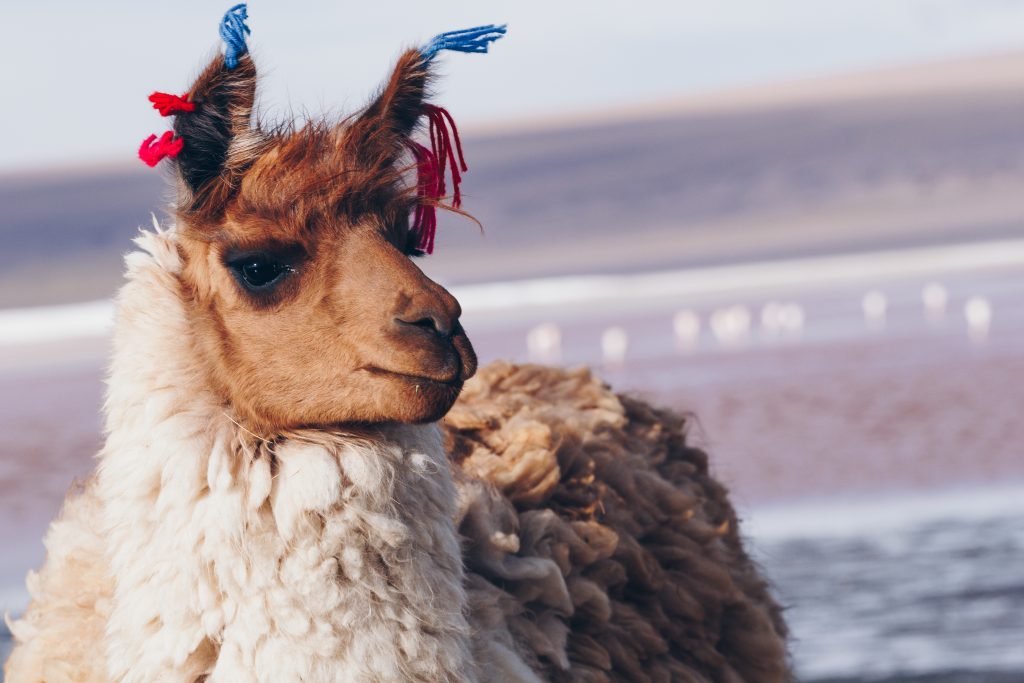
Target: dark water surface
(923,585)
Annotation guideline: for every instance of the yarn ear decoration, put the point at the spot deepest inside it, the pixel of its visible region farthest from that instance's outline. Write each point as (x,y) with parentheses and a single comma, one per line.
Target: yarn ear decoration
(153,151)
(424,220)
(171,104)
(445,152)
(431,170)
(476,39)
(233,31)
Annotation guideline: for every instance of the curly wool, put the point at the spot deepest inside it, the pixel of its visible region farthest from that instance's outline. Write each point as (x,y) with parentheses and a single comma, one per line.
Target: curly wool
(602,543)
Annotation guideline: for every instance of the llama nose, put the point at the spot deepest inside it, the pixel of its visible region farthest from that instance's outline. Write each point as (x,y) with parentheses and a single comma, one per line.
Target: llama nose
(430,309)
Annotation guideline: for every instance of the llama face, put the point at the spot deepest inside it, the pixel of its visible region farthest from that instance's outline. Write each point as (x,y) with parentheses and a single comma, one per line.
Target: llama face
(298,276)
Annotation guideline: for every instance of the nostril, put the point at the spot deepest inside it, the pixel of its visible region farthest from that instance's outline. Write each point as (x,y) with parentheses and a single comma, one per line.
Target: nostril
(429,322)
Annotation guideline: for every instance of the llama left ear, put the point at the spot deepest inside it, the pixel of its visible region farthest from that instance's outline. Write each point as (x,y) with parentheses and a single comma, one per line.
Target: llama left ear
(213,140)
(217,133)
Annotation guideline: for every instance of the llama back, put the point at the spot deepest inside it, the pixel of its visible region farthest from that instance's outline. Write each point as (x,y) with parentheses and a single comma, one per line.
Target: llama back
(597,537)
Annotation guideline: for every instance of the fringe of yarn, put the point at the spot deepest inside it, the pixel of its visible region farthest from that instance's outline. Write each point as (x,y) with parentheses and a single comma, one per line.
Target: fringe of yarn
(424,221)
(432,167)
(168,104)
(153,151)
(233,31)
(476,39)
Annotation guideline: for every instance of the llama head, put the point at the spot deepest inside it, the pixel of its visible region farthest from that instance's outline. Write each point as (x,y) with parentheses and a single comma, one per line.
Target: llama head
(296,243)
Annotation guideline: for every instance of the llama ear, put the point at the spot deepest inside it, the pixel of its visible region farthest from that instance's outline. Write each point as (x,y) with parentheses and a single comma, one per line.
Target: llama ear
(378,135)
(218,138)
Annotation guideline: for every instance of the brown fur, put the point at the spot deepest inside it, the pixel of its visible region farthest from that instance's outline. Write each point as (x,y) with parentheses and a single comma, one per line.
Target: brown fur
(645,539)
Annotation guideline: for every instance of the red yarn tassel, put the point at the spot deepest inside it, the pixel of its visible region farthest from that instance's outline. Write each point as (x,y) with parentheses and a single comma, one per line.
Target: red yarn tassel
(442,138)
(429,188)
(171,104)
(152,153)
(431,169)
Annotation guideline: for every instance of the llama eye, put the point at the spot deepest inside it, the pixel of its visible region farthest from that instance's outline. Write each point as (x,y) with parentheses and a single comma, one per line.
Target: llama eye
(258,272)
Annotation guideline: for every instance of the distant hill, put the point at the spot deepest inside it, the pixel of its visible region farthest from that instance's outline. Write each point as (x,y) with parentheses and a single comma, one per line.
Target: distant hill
(910,156)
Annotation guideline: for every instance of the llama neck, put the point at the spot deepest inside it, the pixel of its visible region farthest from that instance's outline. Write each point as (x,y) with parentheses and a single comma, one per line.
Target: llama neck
(322,556)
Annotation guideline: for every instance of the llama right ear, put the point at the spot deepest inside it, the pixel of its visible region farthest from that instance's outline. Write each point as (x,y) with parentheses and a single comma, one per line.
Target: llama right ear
(379,136)
(218,140)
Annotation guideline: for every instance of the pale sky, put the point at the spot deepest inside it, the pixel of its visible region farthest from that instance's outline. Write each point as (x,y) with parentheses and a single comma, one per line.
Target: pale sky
(74,75)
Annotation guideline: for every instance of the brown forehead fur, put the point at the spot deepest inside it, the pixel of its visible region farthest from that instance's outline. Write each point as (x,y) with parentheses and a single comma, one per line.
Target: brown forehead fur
(303,182)
(310,175)
(302,177)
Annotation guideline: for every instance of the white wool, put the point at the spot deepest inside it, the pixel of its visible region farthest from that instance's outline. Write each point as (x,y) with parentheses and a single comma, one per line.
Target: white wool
(308,480)
(320,557)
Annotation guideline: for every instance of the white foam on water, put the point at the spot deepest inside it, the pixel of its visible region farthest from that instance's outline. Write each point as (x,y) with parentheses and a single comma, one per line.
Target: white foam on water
(850,516)
(25,326)
(786,274)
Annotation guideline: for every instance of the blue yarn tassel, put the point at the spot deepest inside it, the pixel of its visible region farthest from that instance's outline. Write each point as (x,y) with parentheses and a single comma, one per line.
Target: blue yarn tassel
(233,31)
(467,40)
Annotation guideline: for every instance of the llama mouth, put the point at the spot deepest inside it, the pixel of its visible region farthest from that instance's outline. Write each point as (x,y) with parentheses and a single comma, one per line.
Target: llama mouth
(451,383)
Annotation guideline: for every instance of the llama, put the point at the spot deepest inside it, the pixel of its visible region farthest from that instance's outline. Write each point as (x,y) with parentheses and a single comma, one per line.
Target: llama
(292,488)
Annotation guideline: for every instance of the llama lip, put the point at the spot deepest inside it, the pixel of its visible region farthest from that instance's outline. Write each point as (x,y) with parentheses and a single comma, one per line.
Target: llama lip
(454,381)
